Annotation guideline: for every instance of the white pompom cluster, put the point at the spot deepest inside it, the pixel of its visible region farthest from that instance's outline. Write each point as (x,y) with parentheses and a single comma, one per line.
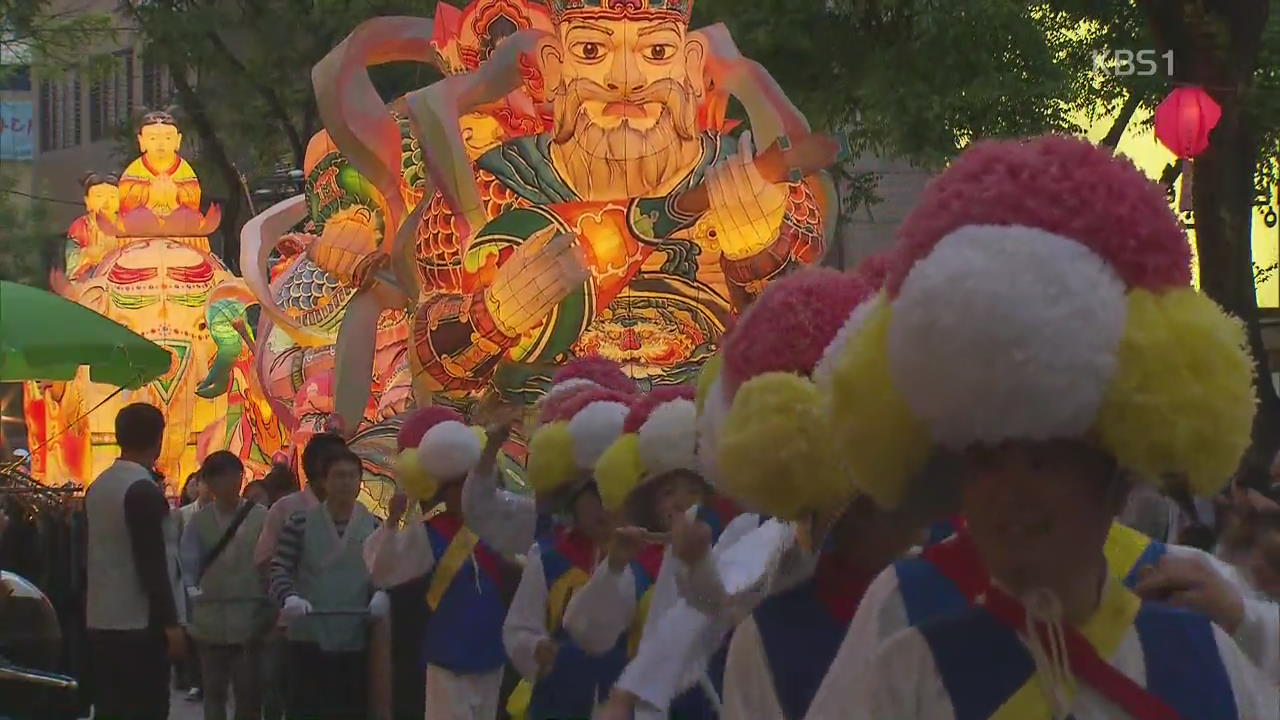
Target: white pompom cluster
(1006,332)
(449,450)
(594,428)
(667,440)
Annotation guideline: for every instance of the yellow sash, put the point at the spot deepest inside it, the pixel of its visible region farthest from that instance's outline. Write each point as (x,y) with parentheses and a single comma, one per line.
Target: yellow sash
(561,592)
(455,556)
(1124,547)
(1104,631)
(519,699)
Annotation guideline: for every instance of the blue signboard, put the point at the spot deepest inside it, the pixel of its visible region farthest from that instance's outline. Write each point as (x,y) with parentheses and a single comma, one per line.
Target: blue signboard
(17,131)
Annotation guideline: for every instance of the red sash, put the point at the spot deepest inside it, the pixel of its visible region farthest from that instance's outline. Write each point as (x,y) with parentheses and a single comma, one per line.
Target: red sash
(957,559)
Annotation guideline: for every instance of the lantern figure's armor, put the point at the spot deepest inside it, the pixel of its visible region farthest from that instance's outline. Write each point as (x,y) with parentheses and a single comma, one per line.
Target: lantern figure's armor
(545,229)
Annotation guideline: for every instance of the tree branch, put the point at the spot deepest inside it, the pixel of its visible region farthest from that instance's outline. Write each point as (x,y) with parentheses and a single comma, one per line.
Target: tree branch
(269,95)
(1122,121)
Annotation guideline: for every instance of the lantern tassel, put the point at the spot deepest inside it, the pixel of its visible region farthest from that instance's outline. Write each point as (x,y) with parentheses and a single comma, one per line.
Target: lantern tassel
(1188,184)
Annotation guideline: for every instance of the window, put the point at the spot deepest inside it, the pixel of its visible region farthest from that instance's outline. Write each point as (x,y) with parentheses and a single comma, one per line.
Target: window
(156,85)
(15,77)
(97,112)
(47,115)
(111,97)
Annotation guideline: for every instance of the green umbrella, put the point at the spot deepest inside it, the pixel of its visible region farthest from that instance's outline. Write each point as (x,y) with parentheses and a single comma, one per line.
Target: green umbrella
(47,337)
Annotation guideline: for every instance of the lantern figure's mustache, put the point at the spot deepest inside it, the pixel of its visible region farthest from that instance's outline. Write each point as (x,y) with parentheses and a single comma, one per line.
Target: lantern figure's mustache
(676,97)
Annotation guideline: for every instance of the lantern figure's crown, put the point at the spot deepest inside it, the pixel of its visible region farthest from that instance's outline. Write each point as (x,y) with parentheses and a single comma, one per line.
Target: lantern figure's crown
(678,10)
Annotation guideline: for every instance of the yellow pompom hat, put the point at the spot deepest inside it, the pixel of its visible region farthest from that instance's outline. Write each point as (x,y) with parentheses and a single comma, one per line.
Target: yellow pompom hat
(1041,290)
(659,436)
(436,447)
(564,449)
(772,451)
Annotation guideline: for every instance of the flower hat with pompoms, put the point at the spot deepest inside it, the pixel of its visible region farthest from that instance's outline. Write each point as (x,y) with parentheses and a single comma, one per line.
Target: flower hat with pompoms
(762,413)
(574,431)
(585,373)
(437,447)
(1042,290)
(659,436)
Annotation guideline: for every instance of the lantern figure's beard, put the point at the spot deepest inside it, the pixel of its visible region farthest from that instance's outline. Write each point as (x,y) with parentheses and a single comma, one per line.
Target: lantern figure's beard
(624,161)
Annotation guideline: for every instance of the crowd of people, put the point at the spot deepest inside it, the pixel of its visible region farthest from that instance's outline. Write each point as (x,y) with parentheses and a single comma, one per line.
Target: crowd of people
(952,484)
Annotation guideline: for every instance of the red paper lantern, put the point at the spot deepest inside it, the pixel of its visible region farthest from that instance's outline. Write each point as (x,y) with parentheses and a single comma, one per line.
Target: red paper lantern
(1184,120)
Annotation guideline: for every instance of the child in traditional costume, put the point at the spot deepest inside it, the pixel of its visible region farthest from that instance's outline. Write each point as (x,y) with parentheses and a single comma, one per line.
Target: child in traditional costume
(577,426)
(467,589)
(648,476)
(1039,326)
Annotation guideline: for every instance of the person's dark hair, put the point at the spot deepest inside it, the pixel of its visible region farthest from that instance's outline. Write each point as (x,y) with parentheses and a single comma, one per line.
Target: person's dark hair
(139,428)
(280,481)
(317,451)
(157,117)
(340,455)
(252,484)
(187,486)
(92,178)
(220,463)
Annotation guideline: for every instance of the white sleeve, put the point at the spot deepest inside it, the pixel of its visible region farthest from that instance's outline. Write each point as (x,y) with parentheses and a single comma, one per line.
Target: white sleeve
(602,610)
(1258,634)
(1256,694)
(736,579)
(881,614)
(748,682)
(900,681)
(526,622)
(504,520)
(396,556)
(738,528)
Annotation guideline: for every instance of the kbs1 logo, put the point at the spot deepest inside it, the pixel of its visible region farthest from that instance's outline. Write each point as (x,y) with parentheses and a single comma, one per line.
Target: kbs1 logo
(1133,63)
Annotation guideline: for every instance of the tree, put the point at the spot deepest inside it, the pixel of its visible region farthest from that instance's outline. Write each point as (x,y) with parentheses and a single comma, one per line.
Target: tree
(242,76)
(29,241)
(33,33)
(921,78)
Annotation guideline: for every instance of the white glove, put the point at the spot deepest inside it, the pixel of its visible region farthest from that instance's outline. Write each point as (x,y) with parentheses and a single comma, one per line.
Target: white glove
(380,605)
(194,592)
(295,606)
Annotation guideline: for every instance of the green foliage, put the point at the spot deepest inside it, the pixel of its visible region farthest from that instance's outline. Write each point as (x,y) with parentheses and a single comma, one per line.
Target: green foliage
(28,238)
(252,63)
(919,79)
(48,36)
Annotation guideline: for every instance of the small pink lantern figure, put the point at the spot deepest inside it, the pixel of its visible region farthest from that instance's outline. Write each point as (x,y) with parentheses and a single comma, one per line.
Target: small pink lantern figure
(1184,120)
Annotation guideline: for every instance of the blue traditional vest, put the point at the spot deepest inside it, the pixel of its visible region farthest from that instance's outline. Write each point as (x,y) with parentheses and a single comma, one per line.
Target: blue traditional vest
(464,633)
(928,594)
(800,636)
(982,662)
(577,680)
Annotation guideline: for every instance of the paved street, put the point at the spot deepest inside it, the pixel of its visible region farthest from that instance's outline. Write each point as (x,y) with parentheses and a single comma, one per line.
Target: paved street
(180,709)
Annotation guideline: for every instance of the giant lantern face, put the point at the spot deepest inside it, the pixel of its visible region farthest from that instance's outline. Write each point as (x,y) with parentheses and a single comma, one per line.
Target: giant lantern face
(625,81)
(571,188)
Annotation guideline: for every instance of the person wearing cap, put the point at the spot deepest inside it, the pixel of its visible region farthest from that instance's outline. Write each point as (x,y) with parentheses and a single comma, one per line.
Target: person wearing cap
(561,680)
(764,447)
(648,476)
(468,580)
(1035,328)
(506,520)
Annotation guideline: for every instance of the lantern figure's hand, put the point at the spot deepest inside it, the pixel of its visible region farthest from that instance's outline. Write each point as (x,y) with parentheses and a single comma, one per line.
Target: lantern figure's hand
(537,276)
(345,247)
(747,193)
(162,196)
